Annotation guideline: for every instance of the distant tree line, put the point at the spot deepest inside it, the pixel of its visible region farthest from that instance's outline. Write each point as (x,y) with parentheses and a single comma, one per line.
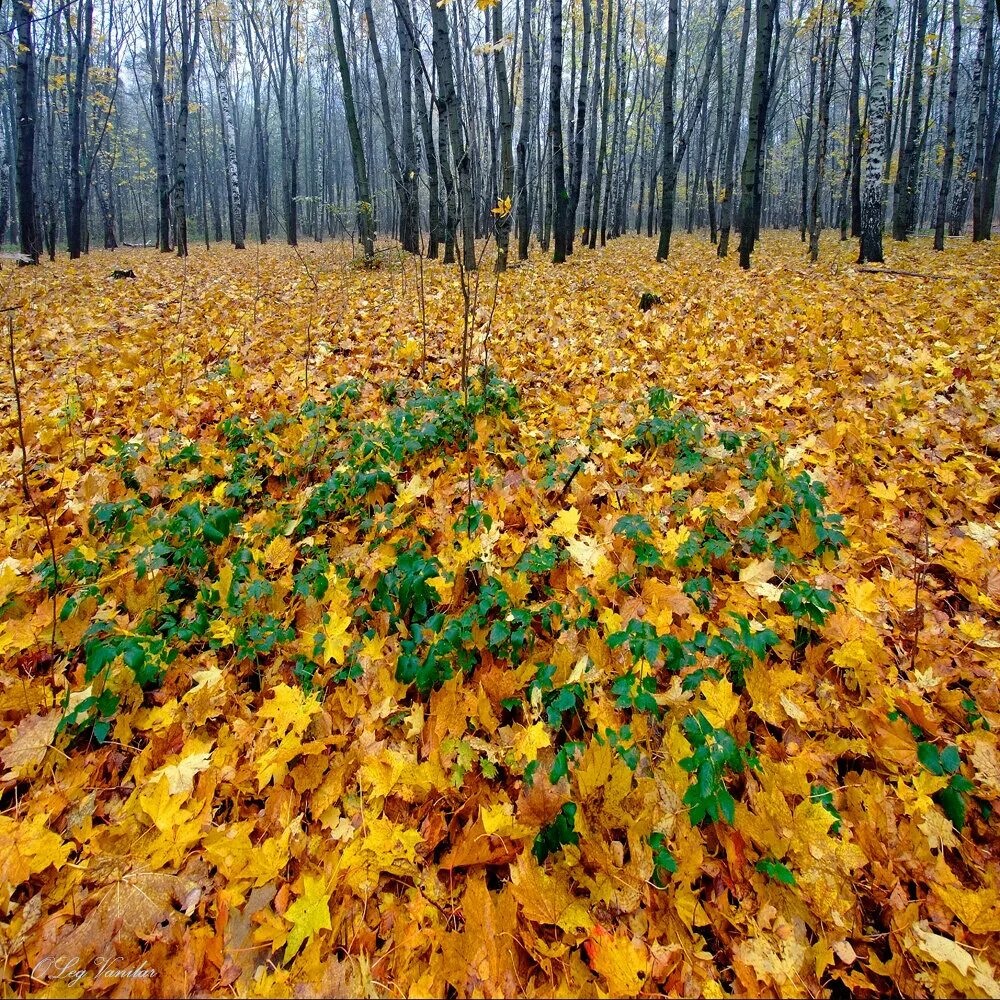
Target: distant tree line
(436,124)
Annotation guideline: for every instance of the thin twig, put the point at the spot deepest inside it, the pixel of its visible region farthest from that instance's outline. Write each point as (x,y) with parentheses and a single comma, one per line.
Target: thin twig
(28,498)
(908,274)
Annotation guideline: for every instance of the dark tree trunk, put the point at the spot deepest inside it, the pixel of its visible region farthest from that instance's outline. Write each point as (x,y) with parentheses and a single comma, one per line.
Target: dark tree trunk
(873,192)
(987,146)
(77,81)
(409,225)
(750,204)
(459,149)
(506,141)
(602,153)
(578,137)
(948,165)
(728,176)
(524,136)
(560,194)
(362,192)
(908,170)
(672,158)
(26,103)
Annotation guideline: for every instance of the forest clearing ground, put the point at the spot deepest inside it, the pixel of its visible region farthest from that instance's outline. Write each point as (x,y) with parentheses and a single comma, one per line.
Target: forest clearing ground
(231,811)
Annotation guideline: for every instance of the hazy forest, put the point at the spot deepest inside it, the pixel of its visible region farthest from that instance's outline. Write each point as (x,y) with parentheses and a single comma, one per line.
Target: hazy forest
(499,498)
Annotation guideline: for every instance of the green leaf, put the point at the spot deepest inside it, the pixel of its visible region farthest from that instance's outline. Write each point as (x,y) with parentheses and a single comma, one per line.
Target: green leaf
(776,870)
(930,757)
(953,803)
(950,759)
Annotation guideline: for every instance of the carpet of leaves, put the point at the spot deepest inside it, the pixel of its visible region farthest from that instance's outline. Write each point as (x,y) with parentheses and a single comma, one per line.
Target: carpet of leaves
(665,662)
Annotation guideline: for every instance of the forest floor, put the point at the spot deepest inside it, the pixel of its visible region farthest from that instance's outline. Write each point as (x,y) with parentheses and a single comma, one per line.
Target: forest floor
(663,662)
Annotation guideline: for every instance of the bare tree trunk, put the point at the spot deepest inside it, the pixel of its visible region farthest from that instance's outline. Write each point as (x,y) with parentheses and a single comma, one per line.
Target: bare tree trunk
(409,224)
(713,157)
(948,165)
(362,192)
(261,152)
(672,158)
(190,31)
(728,177)
(828,72)
(77,86)
(909,161)
(602,153)
(873,192)
(459,149)
(750,205)
(436,222)
(503,222)
(987,151)
(578,138)
(850,188)
(221,53)
(407,230)
(968,158)
(561,195)
(156,54)
(524,135)
(814,58)
(4,176)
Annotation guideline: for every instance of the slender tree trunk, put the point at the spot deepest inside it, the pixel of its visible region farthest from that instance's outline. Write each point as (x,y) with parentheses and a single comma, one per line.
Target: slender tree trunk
(713,157)
(190,32)
(948,165)
(459,149)
(524,135)
(814,58)
(436,220)
(229,153)
(967,157)
(873,192)
(728,177)
(908,170)
(985,178)
(410,200)
(669,166)
(561,195)
(362,192)
(261,151)
(602,153)
(850,191)
(4,176)
(504,218)
(77,82)
(578,138)
(408,235)
(157,56)
(828,67)
(26,98)
(672,158)
(750,205)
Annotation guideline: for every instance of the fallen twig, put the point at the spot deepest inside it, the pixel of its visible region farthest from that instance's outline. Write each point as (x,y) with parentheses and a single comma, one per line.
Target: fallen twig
(908,274)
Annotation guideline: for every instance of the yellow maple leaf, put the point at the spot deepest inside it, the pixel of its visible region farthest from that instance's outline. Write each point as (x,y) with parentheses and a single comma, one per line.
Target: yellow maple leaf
(528,741)
(861,596)
(309,914)
(622,961)
(756,576)
(336,637)
(566,522)
(586,553)
(180,776)
(721,702)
